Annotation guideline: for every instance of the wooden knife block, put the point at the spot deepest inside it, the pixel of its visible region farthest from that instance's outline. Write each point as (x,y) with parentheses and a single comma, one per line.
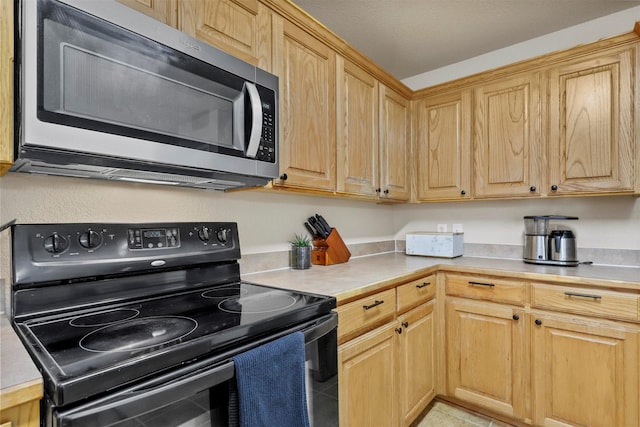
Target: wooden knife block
(331,250)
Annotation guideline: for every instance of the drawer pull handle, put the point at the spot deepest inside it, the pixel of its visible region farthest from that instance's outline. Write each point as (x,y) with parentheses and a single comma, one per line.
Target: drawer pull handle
(516,317)
(575,294)
(424,285)
(375,304)
(490,285)
(405,324)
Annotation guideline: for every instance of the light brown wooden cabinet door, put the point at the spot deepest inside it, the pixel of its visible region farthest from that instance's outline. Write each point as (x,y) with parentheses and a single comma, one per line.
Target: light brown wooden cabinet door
(592,141)
(24,415)
(161,10)
(416,361)
(6,85)
(307,71)
(357,127)
(487,356)
(508,143)
(585,373)
(243,28)
(395,146)
(367,379)
(443,147)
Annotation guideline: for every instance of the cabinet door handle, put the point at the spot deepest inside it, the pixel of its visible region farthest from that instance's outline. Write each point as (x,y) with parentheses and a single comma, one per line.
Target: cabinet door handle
(378,190)
(284,177)
(575,294)
(516,317)
(490,285)
(375,304)
(405,324)
(424,285)
(399,330)
(532,188)
(538,322)
(554,187)
(386,191)
(463,193)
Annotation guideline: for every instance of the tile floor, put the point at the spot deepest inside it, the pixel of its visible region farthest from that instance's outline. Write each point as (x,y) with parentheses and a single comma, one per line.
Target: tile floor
(440,414)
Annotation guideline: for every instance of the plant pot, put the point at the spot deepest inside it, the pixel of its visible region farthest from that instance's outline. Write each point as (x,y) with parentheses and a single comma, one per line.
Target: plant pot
(300,257)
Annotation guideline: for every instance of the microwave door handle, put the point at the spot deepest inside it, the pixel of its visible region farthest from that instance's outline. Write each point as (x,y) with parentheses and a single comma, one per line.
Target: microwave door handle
(256,120)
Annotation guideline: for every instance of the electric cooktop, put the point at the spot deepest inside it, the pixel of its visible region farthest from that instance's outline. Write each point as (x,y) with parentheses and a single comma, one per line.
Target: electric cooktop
(117,343)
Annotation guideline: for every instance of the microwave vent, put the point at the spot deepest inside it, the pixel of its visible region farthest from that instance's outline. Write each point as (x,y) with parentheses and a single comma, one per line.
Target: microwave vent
(220,181)
(191,181)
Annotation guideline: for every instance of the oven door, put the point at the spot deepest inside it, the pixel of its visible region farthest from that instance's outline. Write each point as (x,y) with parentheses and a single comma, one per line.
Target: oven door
(198,394)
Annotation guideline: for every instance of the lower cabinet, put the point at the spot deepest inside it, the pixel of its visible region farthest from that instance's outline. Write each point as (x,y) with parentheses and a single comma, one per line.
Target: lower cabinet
(23,415)
(367,379)
(585,373)
(487,356)
(553,355)
(416,361)
(387,375)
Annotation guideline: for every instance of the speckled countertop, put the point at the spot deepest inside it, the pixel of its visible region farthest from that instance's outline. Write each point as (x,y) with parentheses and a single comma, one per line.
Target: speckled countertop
(364,275)
(20,381)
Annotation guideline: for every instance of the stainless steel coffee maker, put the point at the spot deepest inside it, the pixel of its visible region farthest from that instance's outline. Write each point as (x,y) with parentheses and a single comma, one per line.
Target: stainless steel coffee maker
(542,245)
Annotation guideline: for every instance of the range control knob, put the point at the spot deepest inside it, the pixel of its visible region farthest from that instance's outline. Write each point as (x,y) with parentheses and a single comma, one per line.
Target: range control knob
(204,234)
(223,235)
(56,243)
(90,239)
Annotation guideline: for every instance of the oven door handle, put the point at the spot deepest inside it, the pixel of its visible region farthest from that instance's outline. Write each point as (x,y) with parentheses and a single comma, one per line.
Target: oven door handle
(129,404)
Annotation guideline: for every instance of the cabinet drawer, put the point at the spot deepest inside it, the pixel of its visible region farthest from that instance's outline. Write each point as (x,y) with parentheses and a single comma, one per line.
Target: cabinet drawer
(365,313)
(591,302)
(486,288)
(416,292)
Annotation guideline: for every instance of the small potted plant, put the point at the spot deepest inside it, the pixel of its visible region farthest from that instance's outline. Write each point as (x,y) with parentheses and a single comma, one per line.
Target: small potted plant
(300,254)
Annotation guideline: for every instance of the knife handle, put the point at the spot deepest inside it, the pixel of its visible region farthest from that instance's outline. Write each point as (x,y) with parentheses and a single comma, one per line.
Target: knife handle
(311,230)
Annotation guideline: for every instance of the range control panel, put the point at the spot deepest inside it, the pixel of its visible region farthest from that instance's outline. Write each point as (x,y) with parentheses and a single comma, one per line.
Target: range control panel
(50,252)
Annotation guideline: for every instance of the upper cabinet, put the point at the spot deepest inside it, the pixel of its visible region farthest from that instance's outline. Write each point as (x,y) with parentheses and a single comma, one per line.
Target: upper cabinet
(357,128)
(162,10)
(442,143)
(592,141)
(243,28)
(373,146)
(508,142)
(307,71)
(6,86)
(395,146)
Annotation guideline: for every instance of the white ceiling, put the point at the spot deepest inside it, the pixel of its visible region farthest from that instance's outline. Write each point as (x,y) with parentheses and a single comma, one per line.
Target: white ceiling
(409,37)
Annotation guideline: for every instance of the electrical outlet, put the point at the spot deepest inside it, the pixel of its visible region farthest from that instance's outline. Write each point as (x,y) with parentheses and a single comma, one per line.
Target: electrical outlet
(457,228)
(442,228)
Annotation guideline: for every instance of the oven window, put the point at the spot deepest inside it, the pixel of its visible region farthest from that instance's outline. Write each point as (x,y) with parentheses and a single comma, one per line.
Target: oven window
(205,409)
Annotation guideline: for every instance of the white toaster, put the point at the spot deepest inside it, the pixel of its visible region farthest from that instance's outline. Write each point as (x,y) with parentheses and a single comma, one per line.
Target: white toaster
(427,243)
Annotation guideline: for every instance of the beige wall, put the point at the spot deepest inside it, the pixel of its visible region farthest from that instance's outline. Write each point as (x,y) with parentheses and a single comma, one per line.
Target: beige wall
(266,221)
(605,222)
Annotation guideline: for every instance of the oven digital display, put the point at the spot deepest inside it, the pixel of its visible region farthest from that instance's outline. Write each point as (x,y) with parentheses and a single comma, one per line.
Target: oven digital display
(153,234)
(153,238)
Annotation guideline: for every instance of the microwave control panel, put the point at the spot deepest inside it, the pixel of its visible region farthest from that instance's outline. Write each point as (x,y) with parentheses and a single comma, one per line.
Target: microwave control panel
(267,147)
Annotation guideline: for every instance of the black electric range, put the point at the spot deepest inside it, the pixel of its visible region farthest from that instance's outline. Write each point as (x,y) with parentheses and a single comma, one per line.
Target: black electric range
(101,306)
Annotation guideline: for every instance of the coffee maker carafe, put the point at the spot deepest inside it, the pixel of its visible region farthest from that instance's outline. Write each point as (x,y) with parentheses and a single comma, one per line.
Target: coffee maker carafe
(545,246)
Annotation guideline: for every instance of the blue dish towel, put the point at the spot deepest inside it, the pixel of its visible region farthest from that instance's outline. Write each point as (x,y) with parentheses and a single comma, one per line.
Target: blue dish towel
(271,384)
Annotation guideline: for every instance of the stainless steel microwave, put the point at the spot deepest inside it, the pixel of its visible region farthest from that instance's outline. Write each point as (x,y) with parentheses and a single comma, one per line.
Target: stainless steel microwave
(107,92)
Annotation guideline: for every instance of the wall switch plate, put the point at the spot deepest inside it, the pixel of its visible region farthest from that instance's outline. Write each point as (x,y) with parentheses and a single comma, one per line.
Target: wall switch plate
(457,228)
(441,228)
